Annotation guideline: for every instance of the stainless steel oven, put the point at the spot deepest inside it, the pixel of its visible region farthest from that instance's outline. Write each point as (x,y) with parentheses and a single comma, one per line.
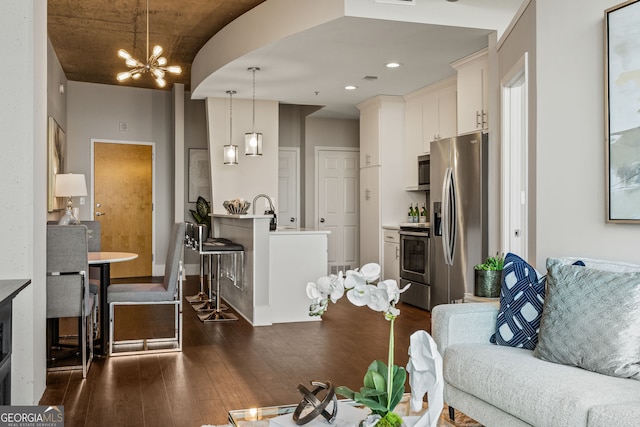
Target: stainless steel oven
(414,265)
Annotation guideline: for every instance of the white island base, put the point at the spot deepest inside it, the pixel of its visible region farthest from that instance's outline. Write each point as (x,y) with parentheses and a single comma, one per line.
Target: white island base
(278,266)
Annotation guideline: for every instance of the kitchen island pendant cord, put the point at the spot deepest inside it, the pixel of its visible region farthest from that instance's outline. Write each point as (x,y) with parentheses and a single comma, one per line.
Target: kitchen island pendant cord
(230,151)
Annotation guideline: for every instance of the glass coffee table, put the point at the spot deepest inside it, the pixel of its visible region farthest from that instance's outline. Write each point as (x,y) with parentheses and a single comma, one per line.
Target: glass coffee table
(259,417)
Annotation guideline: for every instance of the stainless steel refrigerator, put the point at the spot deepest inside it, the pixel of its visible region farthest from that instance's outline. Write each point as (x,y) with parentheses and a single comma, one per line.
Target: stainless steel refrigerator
(458,200)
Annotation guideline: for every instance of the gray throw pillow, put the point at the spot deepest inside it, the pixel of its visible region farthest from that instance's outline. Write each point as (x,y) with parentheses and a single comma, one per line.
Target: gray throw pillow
(591,319)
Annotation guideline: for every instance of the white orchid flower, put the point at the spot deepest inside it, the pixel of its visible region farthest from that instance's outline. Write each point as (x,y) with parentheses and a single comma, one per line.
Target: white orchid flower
(391,287)
(378,299)
(371,272)
(360,293)
(353,279)
(333,286)
(312,291)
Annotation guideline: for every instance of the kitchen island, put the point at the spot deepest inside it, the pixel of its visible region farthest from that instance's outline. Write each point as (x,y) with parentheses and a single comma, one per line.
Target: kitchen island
(277,266)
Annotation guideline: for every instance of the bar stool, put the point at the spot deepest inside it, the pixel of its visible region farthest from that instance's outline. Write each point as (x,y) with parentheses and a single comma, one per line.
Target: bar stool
(218,247)
(194,234)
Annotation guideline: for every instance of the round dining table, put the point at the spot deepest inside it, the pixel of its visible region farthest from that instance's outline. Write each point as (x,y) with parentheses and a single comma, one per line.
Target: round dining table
(103,261)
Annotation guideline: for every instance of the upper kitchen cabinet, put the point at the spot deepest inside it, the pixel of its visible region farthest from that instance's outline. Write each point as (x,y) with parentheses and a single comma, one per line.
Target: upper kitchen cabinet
(370,133)
(430,114)
(473,89)
(382,196)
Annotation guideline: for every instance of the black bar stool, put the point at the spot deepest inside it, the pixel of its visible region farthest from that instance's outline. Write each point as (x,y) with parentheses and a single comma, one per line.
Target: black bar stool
(217,247)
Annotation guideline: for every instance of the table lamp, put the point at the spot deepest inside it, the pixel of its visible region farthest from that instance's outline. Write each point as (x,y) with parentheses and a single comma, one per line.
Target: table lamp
(70,185)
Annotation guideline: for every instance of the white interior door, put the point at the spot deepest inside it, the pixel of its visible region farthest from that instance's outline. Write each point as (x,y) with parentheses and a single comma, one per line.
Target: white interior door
(338,206)
(515,160)
(289,187)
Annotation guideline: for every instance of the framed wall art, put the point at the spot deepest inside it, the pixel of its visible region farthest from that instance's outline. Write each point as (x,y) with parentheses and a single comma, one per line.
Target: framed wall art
(56,154)
(199,174)
(622,111)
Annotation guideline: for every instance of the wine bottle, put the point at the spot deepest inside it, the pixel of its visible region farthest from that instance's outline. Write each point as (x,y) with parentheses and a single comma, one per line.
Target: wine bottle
(423,214)
(410,214)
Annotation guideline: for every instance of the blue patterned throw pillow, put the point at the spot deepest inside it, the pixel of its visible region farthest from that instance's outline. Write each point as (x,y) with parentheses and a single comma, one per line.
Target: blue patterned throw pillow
(521,300)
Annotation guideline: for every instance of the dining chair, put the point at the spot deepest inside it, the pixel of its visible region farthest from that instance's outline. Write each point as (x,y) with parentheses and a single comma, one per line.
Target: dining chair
(169,292)
(68,292)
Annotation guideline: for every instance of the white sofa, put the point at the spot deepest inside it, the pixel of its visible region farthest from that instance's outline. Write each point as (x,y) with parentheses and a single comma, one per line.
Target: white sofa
(505,386)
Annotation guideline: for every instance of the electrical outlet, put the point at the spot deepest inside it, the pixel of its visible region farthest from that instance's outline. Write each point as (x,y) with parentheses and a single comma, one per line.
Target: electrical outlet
(82,200)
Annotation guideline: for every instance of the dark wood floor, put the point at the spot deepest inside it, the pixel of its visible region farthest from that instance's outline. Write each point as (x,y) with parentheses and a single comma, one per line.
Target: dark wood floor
(228,366)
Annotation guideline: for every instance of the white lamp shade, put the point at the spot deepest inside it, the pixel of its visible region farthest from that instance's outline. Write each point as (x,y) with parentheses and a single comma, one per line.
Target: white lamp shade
(70,185)
(253,144)
(230,155)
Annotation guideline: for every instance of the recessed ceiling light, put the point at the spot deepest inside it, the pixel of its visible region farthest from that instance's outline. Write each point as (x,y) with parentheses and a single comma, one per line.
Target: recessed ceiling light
(393,65)
(351,87)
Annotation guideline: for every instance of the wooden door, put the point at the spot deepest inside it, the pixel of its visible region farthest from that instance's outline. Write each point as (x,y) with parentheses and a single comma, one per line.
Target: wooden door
(123,203)
(338,206)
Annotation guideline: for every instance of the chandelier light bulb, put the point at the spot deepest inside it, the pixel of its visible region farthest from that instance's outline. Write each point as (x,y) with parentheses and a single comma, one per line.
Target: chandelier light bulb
(162,61)
(124,54)
(157,50)
(161,82)
(123,76)
(174,69)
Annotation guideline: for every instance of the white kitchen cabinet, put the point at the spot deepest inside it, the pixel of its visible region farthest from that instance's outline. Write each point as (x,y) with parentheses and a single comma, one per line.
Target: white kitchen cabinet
(383,198)
(430,114)
(369,215)
(370,134)
(391,255)
(473,89)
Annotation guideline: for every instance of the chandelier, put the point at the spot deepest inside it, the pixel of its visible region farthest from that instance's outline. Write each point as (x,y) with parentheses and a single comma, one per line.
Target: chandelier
(156,65)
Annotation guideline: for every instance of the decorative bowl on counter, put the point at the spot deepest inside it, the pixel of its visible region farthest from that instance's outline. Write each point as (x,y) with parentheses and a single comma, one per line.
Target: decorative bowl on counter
(236,206)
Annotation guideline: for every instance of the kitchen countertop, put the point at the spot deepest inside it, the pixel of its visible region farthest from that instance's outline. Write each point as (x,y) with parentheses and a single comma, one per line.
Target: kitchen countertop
(289,230)
(415,224)
(245,216)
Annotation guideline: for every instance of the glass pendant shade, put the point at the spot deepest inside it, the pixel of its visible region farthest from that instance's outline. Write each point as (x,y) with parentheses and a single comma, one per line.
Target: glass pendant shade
(253,144)
(253,139)
(230,154)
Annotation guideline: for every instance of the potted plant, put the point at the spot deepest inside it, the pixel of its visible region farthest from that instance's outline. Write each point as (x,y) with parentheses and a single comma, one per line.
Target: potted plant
(201,214)
(488,276)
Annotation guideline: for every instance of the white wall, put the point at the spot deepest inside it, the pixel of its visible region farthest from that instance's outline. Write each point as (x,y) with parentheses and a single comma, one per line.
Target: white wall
(23,126)
(252,175)
(95,111)
(571,149)
(568,140)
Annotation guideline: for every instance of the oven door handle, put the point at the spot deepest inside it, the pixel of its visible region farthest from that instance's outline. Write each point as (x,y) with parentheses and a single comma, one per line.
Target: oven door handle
(414,233)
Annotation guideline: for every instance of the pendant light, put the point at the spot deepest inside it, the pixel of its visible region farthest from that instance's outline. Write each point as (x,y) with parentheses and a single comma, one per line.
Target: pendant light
(230,154)
(253,140)
(156,65)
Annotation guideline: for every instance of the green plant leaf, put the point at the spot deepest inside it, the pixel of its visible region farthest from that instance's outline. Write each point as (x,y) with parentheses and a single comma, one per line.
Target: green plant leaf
(397,390)
(375,381)
(345,392)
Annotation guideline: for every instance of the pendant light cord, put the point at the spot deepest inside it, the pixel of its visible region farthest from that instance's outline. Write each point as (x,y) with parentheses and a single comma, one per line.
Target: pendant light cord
(253,124)
(147,58)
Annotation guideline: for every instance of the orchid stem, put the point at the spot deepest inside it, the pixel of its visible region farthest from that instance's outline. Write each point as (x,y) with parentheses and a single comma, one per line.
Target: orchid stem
(390,366)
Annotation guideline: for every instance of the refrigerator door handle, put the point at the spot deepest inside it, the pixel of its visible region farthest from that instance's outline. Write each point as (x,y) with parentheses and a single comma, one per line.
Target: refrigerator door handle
(446,216)
(453,223)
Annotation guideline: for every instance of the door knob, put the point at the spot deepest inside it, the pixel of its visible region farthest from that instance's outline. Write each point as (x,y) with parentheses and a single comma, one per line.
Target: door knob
(292,219)
(321,219)
(100,213)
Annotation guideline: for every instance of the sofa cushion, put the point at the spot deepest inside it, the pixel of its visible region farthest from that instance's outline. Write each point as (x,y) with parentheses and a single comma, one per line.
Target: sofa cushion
(538,392)
(623,414)
(521,299)
(591,319)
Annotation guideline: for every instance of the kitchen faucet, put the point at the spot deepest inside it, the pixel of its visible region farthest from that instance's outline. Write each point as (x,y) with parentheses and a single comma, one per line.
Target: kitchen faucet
(272,210)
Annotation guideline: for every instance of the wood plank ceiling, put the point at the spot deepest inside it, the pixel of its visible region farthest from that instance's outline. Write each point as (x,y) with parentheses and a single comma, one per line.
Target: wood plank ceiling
(87,34)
